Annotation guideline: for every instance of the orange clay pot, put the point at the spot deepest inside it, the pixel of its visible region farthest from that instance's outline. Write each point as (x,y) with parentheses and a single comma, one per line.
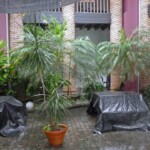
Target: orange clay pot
(55,138)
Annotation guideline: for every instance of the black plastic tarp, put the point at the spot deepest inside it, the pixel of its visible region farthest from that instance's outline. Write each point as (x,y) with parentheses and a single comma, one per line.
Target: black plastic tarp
(12,116)
(118,111)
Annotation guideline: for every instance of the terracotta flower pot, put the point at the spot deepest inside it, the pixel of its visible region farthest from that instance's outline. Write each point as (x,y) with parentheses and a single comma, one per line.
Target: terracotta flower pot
(55,138)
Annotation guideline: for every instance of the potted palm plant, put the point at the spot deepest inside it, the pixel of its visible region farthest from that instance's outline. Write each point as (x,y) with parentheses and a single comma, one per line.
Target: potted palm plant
(40,59)
(55,106)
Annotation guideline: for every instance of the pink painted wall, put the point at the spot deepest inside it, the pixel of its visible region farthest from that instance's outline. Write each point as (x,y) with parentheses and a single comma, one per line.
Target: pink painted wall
(3,27)
(130,23)
(130,15)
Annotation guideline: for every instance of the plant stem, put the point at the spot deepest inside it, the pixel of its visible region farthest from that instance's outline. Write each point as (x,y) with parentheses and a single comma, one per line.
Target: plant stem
(43,88)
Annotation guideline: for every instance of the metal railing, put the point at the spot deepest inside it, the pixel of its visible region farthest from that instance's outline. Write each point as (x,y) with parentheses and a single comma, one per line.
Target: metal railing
(93,6)
(90,6)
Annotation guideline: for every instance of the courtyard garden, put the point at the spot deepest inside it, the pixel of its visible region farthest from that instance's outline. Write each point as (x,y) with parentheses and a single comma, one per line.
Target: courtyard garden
(41,70)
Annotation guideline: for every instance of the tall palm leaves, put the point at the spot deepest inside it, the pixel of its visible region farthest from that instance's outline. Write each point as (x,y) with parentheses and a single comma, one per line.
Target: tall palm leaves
(84,56)
(131,55)
(41,53)
(34,56)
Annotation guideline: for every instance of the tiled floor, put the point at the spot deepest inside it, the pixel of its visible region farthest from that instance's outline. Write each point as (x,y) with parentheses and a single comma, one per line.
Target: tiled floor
(79,136)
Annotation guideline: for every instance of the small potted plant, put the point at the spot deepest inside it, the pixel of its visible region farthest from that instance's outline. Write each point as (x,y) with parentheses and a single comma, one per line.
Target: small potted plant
(55,106)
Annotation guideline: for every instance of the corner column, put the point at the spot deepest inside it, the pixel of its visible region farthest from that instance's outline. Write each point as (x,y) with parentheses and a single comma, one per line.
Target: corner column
(69,18)
(16,30)
(116,25)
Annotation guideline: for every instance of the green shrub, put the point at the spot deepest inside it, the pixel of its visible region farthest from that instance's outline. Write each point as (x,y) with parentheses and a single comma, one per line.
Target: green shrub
(7,72)
(91,87)
(146,94)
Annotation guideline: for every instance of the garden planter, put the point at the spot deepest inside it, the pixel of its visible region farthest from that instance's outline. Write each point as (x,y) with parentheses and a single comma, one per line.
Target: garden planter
(55,138)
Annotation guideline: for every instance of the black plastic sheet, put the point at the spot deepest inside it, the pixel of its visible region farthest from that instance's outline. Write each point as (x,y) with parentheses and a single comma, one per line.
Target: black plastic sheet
(119,111)
(12,116)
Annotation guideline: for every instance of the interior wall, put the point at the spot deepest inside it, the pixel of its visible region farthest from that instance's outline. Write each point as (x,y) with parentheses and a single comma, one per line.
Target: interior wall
(130,15)
(130,23)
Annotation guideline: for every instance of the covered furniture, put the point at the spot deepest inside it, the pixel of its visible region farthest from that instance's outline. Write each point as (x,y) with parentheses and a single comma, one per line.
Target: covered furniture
(117,111)
(12,116)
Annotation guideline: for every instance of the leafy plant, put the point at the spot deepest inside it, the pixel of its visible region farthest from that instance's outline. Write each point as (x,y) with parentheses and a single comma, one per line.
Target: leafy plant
(130,55)
(40,59)
(87,70)
(91,87)
(41,52)
(84,56)
(2,45)
(146,94)
(56,103)
(8,76)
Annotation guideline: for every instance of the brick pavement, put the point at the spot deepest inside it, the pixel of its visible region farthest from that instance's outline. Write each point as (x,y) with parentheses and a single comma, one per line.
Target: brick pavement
(79,136)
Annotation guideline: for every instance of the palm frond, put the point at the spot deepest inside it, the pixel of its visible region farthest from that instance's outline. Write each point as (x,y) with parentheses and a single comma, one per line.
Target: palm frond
(131,54)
